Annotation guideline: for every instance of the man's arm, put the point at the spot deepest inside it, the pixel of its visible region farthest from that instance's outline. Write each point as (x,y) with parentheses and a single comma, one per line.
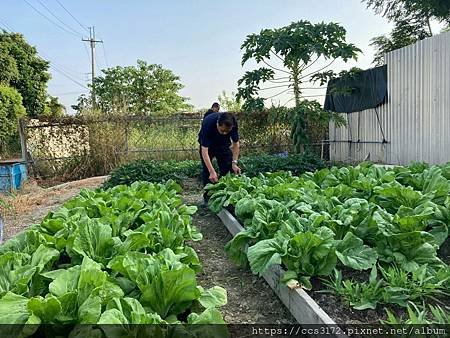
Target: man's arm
(235,148)
(212,173)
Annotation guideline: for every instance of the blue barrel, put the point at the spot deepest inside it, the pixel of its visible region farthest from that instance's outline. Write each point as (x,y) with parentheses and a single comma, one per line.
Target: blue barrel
(12,175)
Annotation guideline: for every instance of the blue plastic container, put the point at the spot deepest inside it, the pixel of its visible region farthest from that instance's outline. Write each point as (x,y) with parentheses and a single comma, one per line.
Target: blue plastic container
(12,175)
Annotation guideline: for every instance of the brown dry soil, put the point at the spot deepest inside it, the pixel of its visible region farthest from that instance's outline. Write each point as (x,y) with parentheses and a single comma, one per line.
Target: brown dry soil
(32,203)
(250,299)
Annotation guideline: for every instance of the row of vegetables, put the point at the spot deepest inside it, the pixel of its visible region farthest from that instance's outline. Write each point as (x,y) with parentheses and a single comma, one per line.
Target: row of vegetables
(390,224)
(117,256)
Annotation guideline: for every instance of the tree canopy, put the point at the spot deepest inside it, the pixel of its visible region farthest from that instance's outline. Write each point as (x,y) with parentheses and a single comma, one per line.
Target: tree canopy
(412,22)
(11,109)
(23,69)
(137,90)
(297,47)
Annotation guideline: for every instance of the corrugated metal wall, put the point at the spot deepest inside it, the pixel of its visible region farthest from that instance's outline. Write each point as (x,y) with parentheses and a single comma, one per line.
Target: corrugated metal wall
(416,118)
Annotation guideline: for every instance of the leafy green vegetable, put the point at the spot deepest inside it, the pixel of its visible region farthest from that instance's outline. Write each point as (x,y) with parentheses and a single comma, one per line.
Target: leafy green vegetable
(108,257)
(357,217)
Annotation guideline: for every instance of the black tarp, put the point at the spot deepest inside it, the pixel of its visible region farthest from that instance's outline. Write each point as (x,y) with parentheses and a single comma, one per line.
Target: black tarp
(363,90)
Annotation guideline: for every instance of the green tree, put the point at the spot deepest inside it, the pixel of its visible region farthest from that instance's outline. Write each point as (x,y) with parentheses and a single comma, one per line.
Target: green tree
(23,69)
(297,47)
(11,109)
(54,108)
(137,90)
(412,22)
(229,103)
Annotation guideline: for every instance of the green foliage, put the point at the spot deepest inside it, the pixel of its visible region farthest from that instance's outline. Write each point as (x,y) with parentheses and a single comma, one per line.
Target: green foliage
(412,22)
(153,171)
(161,171)
(53,109)
(230,103)
(109,257)
(11,110)
(308,113)
(350,216)
(137,90)
(296,45)
(360,295)
(417,316)
(25,71)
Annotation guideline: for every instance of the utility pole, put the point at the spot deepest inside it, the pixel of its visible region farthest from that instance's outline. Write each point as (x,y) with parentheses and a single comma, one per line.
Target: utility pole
(92,43)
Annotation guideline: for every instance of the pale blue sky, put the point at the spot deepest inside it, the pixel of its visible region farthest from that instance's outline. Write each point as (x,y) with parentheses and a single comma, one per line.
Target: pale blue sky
(198,40)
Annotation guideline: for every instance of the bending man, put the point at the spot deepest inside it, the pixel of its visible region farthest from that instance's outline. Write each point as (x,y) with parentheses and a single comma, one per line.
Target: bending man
(218,133)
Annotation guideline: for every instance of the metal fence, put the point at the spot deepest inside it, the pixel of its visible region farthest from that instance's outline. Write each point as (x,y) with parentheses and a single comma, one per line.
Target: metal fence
(75,148)
(415,121)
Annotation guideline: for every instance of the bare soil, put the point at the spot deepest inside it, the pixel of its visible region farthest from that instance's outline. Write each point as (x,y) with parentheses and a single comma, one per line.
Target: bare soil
(250,299)
(33,202)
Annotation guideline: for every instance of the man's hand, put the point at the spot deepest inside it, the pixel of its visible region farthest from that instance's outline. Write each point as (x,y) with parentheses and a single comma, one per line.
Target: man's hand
(213,177)
(236,169)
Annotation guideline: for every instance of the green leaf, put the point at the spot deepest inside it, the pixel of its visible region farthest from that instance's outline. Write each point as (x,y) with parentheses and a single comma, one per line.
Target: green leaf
(13,309)
(112,316)
(64,281)
(90,310)
(213,297)
(264,254)
(209,316)
(45,308)
(353,253)
(171,292)
(94,240)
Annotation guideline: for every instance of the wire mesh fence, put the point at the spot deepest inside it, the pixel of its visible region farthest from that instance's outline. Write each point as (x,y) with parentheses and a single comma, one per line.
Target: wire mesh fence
(72,148)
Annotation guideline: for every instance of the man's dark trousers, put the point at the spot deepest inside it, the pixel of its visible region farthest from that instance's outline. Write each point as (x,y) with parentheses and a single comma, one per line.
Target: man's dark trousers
(224,159)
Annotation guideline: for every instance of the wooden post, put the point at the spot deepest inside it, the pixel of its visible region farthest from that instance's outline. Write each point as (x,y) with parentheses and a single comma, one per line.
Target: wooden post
(23,140)
(126,139)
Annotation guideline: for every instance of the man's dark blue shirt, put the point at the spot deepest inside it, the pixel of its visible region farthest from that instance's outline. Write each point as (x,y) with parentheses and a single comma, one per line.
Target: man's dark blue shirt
(210,137)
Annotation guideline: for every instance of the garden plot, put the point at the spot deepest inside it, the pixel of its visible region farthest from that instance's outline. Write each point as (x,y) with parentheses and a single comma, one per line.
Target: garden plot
(249,301)
(108,257)
(32,203)
(373,238)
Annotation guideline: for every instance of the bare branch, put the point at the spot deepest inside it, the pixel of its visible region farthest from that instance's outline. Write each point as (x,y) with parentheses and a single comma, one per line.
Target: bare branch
(280,70)
(273,87)
(277,55)
(328,65)
(279,81)
(270,97)
(292,98)
(302,69)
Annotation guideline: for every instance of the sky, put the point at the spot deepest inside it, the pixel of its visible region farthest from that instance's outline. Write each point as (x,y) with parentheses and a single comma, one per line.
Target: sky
(199,40)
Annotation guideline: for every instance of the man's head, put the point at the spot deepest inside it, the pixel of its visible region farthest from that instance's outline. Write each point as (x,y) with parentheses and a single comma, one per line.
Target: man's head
(215,107)
(225,123)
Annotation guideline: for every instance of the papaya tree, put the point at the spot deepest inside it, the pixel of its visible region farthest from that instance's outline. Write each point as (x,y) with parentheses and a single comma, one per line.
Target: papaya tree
(297,47)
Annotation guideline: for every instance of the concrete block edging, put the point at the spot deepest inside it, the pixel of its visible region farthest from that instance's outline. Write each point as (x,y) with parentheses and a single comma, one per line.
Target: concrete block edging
(302,307)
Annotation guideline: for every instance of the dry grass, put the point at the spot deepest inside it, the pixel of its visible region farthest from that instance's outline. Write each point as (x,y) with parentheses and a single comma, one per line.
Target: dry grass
(32,202)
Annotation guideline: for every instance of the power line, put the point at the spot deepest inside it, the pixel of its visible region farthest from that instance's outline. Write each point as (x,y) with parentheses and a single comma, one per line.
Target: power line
(73,17)
(62,22)
(7,27)
(104,54)
(50,20)
(68,76)
(68,93)
(56,68)
(92,41)
(65,68)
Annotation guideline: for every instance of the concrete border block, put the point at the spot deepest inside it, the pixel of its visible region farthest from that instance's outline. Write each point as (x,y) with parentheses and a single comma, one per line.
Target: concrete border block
(302,307)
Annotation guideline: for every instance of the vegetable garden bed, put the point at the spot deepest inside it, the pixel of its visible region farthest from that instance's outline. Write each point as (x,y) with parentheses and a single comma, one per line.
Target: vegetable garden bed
(298,302)
(108,257)
(374,239)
